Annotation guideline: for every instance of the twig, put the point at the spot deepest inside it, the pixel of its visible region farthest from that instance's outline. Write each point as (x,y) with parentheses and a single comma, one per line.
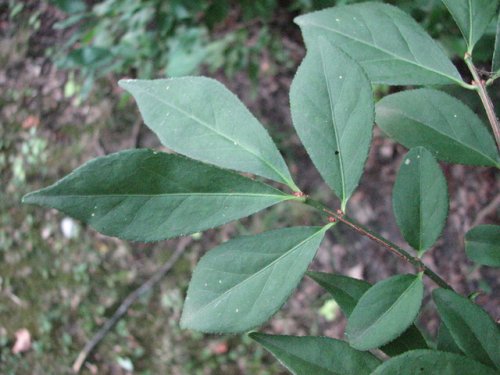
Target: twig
(485,98)
(127,302)
(136,132)
(403,254)
(492,206)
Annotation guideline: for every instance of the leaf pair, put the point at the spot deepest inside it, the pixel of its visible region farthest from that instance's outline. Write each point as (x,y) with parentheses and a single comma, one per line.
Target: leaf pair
(148,196)
(393,49)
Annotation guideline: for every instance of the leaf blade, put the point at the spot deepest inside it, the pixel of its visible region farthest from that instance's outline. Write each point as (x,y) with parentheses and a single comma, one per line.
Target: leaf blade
(307,355)
(198,117)
(332,109)
(390,46)
(431,362)
(447,127)
(495,64)
(472,17)
(385,311)
(420,199)
(258,283)
(482,245)
(347,291)
(471,327)
(144,195)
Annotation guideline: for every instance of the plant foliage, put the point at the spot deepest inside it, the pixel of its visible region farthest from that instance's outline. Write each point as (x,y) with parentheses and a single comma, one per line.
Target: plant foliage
(146,195)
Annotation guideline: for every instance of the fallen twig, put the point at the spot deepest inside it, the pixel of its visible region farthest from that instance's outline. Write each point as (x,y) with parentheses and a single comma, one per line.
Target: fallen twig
(486,211)
(127,302)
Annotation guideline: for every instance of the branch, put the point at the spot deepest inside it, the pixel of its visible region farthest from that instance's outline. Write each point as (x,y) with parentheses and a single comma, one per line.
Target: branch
(127,302)
(403,254)
(485,98)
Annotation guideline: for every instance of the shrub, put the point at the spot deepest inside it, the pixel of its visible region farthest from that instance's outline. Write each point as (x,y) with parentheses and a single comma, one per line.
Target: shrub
(145,195)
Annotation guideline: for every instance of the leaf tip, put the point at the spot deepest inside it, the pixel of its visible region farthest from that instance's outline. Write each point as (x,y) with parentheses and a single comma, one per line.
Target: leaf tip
(126,83)
(30,198)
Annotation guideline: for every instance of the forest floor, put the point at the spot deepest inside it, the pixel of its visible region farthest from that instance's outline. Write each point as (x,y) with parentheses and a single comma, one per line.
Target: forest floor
(60,280)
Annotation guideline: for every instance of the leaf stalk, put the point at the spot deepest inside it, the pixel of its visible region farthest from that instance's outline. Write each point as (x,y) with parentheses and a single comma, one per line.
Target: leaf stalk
(339,215)
(485,98)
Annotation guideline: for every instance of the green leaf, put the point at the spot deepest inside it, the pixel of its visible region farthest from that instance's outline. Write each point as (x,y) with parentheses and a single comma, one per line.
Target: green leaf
(143,195)
(482,245)
(432,362)
(445,342)
(472,17)
(390,46)
(495,64)
(420,199)
(385,311)
(200,118)
(241,283)
(438,122)
(472,329)
(308,355)
(347,291)
(333,112)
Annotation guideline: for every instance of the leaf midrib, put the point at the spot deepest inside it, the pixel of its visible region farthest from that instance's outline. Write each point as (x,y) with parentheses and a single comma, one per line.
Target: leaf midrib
(248,279)
(464,323)
(459,141)
(284,179)
(162,195)
(397,57)
(335,128)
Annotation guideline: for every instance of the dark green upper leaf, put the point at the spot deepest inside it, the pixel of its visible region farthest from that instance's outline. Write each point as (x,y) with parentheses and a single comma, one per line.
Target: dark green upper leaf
(333,112)
(472,17)
(144,195)
(482,245)
(240,284)
(445,342)
(495,64)
(347,291)
(200,118)
(385,311)
(474,332)
(420,199)
(390,46)
(438,122)
(309,355)
(432,362)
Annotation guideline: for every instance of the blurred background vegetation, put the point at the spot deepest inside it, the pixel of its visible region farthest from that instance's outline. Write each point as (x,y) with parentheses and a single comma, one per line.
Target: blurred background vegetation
(60,106)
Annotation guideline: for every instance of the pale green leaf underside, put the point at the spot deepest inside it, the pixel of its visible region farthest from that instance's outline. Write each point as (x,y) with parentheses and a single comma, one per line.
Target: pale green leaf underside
(432,362)
(482,245)
(420,199)
(390,46)
(495,64)
(440,123)
(347,291)
(309,355)
(241,283)
(385,311)
(472,17)
(200,118)
(472,329)
(333,113)
(143,195)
